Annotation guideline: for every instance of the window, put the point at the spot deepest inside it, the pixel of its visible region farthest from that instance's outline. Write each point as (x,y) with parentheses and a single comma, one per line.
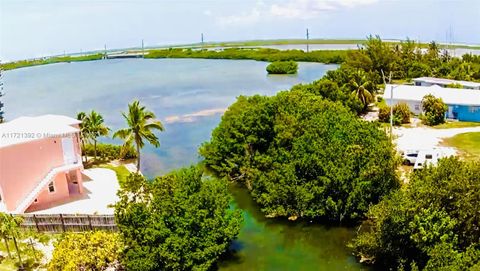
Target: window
(417,107)
(428,156)
(473,109)
(51,187)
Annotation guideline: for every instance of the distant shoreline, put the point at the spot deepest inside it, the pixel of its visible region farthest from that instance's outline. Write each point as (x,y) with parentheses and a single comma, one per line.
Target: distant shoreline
(161,51)
(259,54)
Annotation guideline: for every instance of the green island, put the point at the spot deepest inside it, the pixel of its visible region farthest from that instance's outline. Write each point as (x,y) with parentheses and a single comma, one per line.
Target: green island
(282,67)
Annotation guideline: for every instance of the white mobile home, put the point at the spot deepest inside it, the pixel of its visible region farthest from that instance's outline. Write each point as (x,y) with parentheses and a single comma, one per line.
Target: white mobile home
(442,82)
(463,104)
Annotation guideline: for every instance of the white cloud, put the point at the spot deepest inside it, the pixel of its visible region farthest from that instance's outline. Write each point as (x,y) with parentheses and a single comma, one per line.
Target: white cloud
(293,9)
(242,19)
(207,12)
(354,3)
(301,9)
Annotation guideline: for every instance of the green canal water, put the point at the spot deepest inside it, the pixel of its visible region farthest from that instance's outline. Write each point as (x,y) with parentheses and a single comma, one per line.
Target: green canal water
(273,244)
(189,96)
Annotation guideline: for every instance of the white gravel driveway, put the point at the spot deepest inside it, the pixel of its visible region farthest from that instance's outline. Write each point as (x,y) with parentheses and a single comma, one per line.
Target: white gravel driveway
(424,137)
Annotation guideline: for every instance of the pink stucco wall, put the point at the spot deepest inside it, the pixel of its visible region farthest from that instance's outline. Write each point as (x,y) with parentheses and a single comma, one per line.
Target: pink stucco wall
(23,166)
(61,192)
(47,199)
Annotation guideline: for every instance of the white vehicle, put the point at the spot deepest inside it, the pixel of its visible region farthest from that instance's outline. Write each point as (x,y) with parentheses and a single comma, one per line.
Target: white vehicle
(410,157)
(431,157)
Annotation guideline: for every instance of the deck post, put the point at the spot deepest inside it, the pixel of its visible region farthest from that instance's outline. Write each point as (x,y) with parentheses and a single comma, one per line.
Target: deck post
(36,222)
(63,223)
(90,222)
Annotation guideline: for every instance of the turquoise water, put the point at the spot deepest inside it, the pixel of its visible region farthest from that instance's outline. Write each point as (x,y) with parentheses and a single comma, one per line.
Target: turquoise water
(188,96)
(172,88)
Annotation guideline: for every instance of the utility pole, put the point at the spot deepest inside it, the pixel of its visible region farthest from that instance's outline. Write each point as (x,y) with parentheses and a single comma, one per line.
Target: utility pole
(391,101)
(452,41)
(143,50)
(308,38)
(202,40)
(105,52)
(1,95)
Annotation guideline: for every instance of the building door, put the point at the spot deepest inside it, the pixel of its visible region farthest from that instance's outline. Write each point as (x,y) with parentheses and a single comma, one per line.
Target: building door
(72,181)
(69,156)
(450,113)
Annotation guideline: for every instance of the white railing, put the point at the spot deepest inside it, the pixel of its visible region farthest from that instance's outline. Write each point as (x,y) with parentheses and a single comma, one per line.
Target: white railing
(3,208)
(25,203)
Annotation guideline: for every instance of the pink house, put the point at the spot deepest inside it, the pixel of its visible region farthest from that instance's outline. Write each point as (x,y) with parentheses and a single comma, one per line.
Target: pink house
(40,162)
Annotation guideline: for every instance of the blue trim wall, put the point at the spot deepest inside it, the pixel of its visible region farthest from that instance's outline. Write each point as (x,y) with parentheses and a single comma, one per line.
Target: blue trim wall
(466,113)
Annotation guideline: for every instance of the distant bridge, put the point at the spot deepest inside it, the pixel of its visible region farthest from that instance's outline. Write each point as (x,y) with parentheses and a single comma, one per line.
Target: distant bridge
(125,54)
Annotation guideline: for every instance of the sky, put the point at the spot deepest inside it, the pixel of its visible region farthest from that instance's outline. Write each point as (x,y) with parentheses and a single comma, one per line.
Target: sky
(36,28)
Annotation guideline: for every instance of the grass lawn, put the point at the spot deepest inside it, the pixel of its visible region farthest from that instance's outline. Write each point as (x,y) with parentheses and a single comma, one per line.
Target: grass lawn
(121,171)
(467,143)
(456,124)
(26,253)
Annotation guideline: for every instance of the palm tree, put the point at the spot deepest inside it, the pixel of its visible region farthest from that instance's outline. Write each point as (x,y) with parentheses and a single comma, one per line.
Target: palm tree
(95,128)
(140,123)
(359,85)
(82,116)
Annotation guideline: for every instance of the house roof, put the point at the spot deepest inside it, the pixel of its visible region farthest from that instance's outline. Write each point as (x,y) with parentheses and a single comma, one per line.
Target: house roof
(451,96)
(26,129)
(443,81)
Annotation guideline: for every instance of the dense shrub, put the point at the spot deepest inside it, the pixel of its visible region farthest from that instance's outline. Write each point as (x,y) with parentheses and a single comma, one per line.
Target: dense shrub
(282,67)
(401,114)
(433,223)
(180,221)
(419,70)
(110,151)
(86,251)
(303,156)
(402,111)
(434,110)
(454,85)
(409,60)
(330,90)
